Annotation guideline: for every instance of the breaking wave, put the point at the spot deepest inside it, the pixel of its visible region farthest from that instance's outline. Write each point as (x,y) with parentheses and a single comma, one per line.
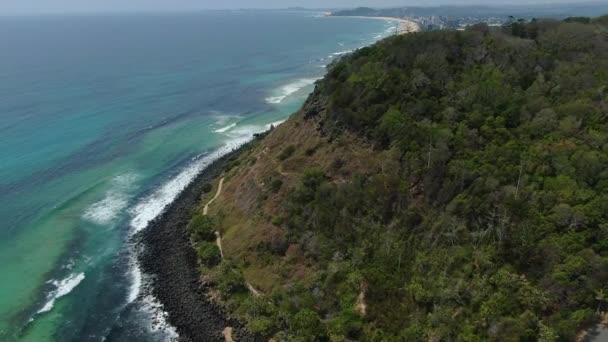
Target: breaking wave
(62,288)
(225,128)
(289,89)
(114,202)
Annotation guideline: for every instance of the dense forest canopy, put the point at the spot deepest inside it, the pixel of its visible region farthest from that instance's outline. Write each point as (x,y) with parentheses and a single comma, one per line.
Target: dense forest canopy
(490,220)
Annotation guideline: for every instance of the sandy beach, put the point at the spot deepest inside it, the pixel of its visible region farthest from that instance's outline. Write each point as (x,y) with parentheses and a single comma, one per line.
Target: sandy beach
(405,25)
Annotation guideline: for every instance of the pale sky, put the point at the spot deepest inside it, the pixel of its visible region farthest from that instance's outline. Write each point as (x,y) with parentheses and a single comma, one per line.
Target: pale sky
(8,7)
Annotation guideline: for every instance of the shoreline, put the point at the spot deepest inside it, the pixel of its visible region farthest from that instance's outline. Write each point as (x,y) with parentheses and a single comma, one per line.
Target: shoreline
(171,265)
(405,25)
(169,259)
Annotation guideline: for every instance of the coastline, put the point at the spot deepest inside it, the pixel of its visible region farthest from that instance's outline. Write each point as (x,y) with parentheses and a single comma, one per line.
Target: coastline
(125,195)
(171,266)
(170,260)
(405,25)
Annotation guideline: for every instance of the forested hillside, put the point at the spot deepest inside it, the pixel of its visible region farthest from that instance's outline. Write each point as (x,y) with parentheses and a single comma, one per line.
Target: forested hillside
(439,186)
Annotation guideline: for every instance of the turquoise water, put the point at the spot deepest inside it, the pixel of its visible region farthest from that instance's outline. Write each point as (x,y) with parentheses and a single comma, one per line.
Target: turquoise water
(104,119)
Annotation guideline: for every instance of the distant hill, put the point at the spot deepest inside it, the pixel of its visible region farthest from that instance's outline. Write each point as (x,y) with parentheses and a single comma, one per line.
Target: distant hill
(530,11)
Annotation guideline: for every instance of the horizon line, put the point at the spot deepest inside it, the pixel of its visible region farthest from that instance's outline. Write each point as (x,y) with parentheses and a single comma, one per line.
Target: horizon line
(290,8)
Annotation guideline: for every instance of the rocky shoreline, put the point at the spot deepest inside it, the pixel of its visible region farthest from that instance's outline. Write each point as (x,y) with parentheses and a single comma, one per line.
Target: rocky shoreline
(168,257)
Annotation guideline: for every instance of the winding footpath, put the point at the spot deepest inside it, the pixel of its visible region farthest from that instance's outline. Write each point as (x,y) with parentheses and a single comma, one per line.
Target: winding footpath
(217,194)
(172,263)
(218,238)
(218,241)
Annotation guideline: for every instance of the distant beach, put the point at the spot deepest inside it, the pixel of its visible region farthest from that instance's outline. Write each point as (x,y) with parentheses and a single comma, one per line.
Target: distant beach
(405,25)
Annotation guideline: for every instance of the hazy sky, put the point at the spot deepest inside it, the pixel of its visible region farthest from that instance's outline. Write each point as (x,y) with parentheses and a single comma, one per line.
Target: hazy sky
(67,6)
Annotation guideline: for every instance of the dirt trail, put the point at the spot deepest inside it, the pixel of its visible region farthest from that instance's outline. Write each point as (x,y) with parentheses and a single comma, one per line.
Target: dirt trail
(173,264)
(360,305)
(218,239)
(217,194)
(228,334)
(253,291)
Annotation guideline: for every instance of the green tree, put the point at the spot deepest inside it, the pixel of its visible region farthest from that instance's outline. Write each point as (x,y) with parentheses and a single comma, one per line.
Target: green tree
(203,227)
(209,253)
(306,326)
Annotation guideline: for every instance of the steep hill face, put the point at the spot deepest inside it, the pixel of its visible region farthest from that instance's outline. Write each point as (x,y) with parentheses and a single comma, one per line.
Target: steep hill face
(436,186)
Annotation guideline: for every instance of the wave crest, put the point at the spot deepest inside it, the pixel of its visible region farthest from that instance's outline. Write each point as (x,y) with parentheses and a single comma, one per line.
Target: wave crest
(290,89)
(114,202)
(62,288)
(340,53)
(225,128)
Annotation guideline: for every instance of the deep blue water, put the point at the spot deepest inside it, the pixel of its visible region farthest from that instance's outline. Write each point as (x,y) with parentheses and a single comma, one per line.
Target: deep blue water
(104,119)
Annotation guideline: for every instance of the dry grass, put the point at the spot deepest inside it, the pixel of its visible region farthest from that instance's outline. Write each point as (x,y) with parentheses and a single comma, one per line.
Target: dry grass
(247,206)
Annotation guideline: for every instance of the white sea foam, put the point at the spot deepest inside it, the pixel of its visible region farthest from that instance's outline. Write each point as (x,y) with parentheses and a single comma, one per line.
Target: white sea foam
(340,53)
(154,315)
(135,281)
(275,99)
(106,210)
(221,118)
(149,310)
(225,128)
(157,321)
(114,202)
(150,207)
(243,132)
(289,89)
(153,205)
(391,29)
(62,288)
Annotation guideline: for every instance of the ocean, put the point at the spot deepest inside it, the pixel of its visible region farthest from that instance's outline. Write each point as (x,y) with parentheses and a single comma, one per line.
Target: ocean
(104,119)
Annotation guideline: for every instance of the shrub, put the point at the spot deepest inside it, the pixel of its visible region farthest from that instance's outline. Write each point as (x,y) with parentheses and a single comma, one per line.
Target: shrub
(202,228)
(307,325)
(261,315)
(262,325)
(286,152)
(231,280)
(275,185)
(311,150)
(338,163)
(583,20)
(207,188)
(277,221)
(231,165)
(209,253)
(348,324)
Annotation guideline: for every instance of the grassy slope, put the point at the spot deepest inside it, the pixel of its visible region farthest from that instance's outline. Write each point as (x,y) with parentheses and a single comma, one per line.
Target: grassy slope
(248,205)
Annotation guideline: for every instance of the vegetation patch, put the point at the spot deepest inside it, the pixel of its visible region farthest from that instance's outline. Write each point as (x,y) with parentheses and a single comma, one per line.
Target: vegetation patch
(286,152)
